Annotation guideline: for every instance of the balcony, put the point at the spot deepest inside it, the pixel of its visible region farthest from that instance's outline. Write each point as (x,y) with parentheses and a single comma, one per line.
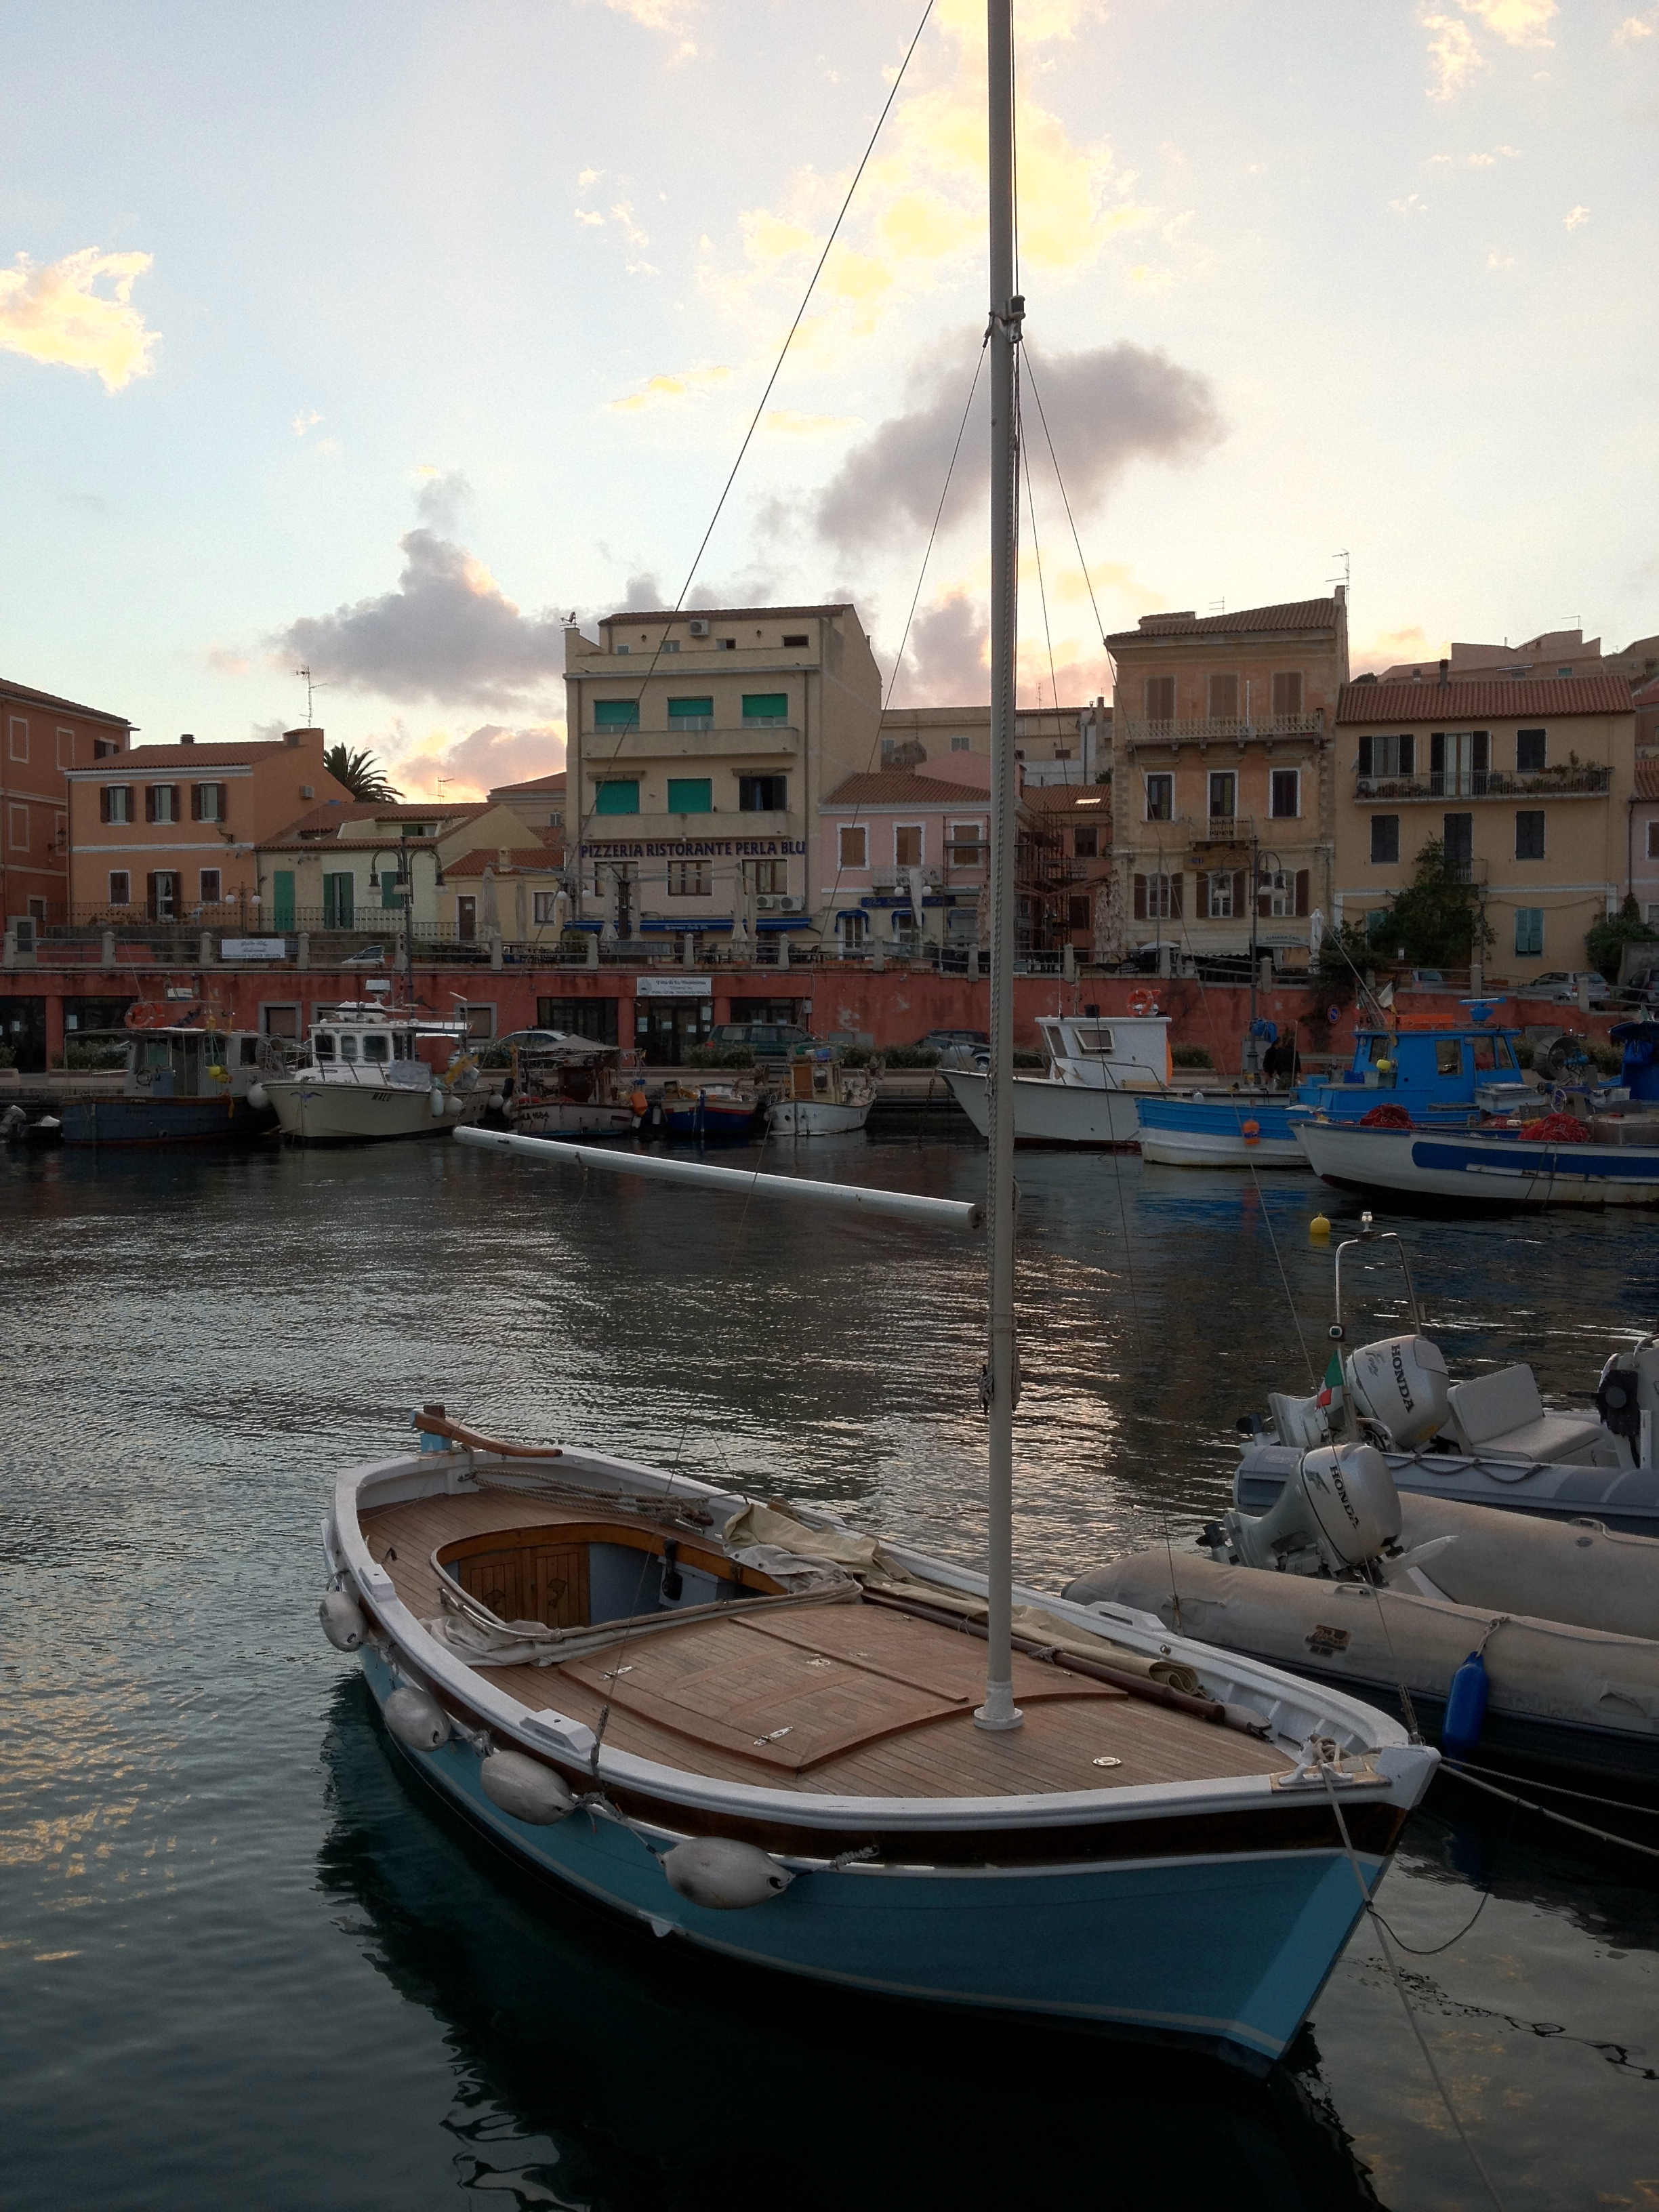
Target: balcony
(1587,782)
(1224,831)
(1225,729)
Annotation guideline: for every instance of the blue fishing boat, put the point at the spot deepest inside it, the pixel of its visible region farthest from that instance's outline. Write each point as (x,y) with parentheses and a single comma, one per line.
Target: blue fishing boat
(180,1083)
(708,1110)
(1441,1075)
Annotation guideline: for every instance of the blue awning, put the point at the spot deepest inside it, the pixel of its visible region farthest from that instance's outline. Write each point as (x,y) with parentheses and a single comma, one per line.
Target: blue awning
(681,926)
(786,922)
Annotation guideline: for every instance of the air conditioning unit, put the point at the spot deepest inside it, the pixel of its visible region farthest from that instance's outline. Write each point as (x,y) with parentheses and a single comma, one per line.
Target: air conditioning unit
(698,626)
(769,903)
(791,903)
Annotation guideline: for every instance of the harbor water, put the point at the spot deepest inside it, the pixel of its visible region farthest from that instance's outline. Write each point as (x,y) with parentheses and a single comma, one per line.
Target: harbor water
(247,1960)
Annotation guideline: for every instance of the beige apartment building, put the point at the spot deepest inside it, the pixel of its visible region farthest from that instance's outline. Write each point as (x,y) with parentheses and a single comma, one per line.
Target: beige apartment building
(699,748)
(1222,805)
(1527,783)
(352,864)
(1056,744)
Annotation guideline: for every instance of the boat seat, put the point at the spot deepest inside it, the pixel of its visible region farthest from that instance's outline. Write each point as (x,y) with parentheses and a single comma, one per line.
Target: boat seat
(1503,1412)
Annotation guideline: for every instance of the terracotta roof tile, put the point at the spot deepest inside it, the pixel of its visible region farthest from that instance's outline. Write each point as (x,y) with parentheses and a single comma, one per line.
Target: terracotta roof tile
(1647,779)
(903,786)
(26,691)
(1095,799)
(529,860)
(1295,614)
(150,759)
(1469,699)
(550,785)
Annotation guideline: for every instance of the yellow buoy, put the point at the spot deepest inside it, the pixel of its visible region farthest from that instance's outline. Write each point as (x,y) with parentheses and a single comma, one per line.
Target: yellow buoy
(1320,1229)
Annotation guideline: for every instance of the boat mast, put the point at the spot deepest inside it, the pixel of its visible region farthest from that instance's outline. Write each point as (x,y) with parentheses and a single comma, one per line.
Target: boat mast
(999,1711)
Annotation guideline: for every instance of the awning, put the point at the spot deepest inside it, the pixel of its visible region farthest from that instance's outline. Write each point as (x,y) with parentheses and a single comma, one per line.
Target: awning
(677,926)
(785,921)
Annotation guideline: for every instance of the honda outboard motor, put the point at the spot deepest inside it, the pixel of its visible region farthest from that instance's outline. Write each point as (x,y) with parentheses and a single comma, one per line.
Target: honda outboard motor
(1400,1383)
(1338,1509)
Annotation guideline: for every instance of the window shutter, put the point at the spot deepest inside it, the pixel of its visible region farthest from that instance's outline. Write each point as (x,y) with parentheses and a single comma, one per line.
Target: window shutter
(196,802)
(1302,890)
(1140,898)
(1287,693)
(1200,895)
(149,804)
(1364,756)
(1479,750)
(1239,907)
(1408,755)
(104,814)
(1175,898)
(1437,753)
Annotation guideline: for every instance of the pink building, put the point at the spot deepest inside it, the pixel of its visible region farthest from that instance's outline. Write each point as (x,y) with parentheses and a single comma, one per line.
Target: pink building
(904,854)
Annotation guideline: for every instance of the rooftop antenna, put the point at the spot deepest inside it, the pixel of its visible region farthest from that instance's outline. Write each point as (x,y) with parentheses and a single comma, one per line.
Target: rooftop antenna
(1346,578)
(311,685)
(1218,606)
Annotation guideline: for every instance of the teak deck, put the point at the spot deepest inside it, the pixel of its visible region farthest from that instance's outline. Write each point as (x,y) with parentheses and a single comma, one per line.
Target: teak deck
(841,1698)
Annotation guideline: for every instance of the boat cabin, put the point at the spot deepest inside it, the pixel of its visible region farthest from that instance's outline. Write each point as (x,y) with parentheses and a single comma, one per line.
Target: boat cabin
(352,1043)
(192,1063)
(1476,1063)
(1129,1052)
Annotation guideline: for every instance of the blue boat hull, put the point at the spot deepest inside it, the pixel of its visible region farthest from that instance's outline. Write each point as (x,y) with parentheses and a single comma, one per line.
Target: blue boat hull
(1482,1171)
(161,1121)
(1225,1951)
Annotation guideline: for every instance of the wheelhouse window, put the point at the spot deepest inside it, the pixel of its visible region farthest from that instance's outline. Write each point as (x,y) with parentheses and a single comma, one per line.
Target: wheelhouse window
(854,843)
(377,1048)
(1448,1056)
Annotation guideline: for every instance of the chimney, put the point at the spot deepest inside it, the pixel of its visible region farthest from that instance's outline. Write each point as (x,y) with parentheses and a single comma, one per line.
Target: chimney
(294,736)
(1445,667)
(186,738)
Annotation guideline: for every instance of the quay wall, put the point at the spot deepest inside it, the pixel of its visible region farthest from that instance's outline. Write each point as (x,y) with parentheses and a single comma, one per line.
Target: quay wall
(896,1007)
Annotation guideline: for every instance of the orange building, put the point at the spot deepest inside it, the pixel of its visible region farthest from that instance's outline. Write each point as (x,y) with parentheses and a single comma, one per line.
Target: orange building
(170,831)
(43,738)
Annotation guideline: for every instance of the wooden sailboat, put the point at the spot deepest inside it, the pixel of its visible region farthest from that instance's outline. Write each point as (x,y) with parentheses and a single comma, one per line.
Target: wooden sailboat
(769,1736)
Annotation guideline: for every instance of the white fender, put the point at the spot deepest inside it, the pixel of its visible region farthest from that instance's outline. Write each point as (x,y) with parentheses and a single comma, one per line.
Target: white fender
(258,1096)
(416,1718)
(524,1788)
(715,1871)
(436,1098)
(345,1622)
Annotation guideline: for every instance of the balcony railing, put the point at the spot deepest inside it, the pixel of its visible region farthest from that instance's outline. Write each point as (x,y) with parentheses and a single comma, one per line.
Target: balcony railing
(1587,782)
(1213,729)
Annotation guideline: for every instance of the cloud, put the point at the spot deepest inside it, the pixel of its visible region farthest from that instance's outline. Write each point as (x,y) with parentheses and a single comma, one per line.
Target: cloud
(1517,22)
(1575,218)
(678,384)
(791,424)
(1414,203)
(306,421)
(672,16)
(946,656)
(487,758)
(448,631)
(1634,28)
(1106,409)
(53,313)
(1496,261)
(228,661)
(1455,53)
(1393,648)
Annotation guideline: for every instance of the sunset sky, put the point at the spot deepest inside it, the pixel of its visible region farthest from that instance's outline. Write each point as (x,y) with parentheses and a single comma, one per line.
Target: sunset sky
(385,336)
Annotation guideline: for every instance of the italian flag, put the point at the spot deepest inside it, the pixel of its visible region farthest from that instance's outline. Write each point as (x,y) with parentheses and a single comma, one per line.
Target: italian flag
(1329,1399)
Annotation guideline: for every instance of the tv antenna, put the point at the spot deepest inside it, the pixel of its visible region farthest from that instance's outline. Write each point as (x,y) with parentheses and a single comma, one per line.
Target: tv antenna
(311,685)
(1346,578)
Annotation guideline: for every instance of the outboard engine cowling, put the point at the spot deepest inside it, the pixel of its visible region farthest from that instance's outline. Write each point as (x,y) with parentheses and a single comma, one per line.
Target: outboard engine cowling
(1401,1384)
(1340,1509)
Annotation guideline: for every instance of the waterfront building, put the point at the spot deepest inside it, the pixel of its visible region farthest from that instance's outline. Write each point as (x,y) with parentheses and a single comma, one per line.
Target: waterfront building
(516,893)
(1525,785)
(904,855)
(172,832)
(43,738)
(700,746)
(540,803)
(349,864)
(1074,825)
(1222,792)
(1056,744)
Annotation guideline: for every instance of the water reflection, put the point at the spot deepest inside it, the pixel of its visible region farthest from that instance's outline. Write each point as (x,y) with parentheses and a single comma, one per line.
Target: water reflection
(594,2066)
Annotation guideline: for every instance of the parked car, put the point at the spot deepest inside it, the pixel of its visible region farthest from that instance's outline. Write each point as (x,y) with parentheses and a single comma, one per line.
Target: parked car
(1560,986)
(942,1040)
(773,1040)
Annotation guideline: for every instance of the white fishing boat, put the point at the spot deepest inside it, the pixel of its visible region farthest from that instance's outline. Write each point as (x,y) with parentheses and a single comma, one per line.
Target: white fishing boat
(561,1086)
(822,1096)
(1098,1071)
(360,1080)
(767,1735)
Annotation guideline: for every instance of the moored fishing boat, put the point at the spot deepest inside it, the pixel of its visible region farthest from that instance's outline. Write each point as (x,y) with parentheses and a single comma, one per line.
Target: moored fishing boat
(1099,1070)
(570,1086)
(182,1082)
(360,1079)
(706,1110)
(822,1096)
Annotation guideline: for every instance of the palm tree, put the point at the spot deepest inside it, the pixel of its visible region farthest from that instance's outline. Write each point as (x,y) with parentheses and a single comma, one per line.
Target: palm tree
(360,773)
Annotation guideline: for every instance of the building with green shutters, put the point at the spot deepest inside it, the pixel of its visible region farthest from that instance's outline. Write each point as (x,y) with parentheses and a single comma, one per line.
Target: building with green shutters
(700,746)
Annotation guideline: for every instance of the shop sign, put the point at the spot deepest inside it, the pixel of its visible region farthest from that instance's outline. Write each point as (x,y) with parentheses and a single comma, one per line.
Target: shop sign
(698,849)
(678,986)
(252,948)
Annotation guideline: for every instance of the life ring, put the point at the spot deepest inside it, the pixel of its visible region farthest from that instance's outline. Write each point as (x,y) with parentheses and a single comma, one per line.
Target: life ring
(1142,1002)
(147,1014)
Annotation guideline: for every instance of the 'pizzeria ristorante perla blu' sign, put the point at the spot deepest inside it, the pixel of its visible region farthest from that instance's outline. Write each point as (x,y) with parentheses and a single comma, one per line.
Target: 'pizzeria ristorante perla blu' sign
(698,849)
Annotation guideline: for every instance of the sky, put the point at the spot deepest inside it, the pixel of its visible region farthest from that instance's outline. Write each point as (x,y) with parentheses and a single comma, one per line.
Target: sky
(381,336)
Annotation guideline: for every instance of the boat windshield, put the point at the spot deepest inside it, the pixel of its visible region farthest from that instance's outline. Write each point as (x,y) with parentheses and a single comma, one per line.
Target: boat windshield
(377,1047)
(323,1044)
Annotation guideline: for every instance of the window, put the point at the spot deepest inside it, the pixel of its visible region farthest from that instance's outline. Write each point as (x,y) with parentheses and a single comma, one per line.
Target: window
(115,803)
(1448,1056)
(904,923)
(691,879)
(770,708)
(17,829)
(1080,912)
(961,745)
(160,802)
(1085,841)
(853,844)
(1218,894)
(1458,761)
(466,917)
(544,910)
(1224,793)
(103,747)
(480,1020)
(1385,839)
(691,794)
(725,645)
(1376,924)
(796,638)
(281,1021)
(377,1048)
(586,1018)
(1158,898)
(621,648)
(763,794)
(1160,797)
(161,895)
(1287,693)
(1653,840)
(207,802)
(208,887)
(1529,932)
(907,846)
(339,893)
(1285,801)
(852,928)
(616,715)
(1530,746)
(1485,1055)
(690,714)
(1224,698)
(120,887)
(1652,917)
(619,796)
(19,738)
(1457,838)
(1160,698)
(966,849)
(1529,835)
(1387,755)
